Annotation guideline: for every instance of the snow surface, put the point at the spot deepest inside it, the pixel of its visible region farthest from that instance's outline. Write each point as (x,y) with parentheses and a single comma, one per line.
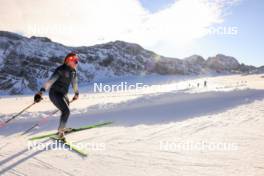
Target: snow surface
(228,111)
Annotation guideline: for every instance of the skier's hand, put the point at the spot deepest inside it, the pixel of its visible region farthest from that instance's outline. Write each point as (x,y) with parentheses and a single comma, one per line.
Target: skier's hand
(76,96)
(38,97)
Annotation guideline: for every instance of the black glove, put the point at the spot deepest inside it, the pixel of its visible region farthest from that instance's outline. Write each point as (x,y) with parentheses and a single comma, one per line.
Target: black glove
(76,96)
(38,97)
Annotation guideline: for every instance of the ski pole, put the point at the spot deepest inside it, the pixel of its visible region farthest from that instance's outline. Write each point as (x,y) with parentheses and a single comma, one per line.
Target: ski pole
(12,118)
(42,121)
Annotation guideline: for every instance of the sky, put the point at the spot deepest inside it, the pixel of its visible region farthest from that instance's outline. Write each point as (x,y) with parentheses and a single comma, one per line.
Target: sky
(173,28)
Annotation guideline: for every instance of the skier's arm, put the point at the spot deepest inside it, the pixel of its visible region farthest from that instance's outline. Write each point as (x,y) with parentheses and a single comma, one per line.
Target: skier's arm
(75,85)
(54,77)
(46,86)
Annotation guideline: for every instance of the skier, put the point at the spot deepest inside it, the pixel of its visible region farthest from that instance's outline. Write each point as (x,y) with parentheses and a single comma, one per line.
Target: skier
(205,83)
(59,84)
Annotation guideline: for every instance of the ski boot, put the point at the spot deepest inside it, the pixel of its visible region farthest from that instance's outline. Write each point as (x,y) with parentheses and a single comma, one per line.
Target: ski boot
(61,134)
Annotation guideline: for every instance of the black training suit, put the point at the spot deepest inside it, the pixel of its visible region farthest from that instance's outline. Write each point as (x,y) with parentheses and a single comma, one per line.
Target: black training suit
(59,84)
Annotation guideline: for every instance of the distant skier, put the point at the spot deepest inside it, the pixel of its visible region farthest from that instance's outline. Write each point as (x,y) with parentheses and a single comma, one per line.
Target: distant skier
(59,84)
(205,83)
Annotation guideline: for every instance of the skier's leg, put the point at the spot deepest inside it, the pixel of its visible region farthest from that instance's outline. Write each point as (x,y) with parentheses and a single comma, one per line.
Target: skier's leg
(65,112)
(62,103)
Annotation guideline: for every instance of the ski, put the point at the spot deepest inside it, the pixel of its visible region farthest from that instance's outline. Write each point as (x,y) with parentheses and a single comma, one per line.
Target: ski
(72,130)
(69,145)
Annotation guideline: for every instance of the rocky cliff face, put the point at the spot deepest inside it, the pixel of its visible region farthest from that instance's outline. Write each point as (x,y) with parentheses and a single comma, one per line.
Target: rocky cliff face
(222,63)
(26,62)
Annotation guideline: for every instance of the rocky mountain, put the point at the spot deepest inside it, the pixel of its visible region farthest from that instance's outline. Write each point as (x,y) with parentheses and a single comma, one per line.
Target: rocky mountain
(222,63)
(26,62)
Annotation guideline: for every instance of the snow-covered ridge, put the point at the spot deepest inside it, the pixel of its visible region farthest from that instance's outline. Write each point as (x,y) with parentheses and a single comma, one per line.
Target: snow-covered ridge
(26,62)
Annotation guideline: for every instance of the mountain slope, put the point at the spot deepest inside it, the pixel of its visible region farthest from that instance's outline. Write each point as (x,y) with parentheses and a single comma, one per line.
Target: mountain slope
(26,62)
